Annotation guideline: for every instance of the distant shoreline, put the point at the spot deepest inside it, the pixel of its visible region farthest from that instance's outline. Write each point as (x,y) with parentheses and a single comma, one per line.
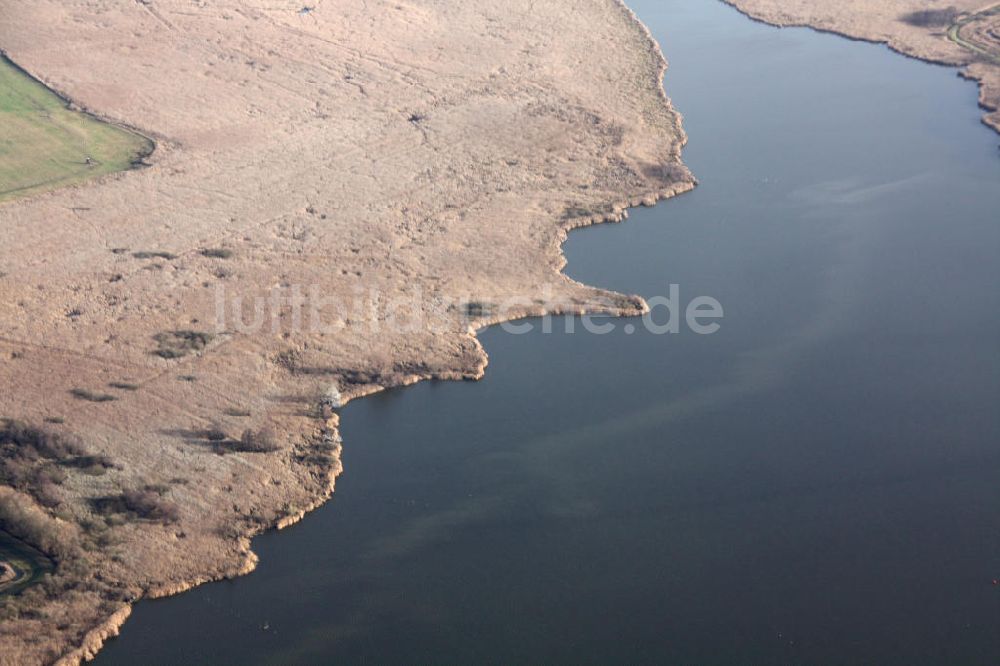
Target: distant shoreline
(933,43)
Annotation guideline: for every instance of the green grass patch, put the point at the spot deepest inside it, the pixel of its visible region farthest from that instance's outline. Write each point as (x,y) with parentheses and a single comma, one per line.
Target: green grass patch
(44,144)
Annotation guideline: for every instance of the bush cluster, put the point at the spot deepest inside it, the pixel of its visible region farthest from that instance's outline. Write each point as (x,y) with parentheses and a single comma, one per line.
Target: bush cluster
(34,460)
(259,441)
(932,18)
(177,344)
(146,503)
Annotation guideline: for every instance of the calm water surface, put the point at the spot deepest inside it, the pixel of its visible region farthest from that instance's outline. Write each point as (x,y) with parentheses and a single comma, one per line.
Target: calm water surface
(819,482)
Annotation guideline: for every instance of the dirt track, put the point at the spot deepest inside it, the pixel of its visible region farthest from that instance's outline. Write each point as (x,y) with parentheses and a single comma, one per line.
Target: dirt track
(434,152)
(983,28)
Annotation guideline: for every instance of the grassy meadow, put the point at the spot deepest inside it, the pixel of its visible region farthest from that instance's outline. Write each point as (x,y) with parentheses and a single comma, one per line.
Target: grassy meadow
(45,145)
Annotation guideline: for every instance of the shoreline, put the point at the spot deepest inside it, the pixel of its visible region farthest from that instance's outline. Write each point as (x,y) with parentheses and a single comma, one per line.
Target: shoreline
(427,549)
(962,65)
(242,560)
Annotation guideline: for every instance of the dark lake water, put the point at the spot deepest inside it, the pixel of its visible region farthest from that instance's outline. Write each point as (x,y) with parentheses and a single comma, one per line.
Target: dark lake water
(818,482)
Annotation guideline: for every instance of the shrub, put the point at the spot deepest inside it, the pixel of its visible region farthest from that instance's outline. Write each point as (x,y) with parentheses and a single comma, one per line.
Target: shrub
(46,494)
(25,439)
(35,461)
(145,503)
(177,344)
(214,435)
(155,255)
(217,253)
(123,386)
(576,212)
(89,396)
(32,526)
(50,474)
(932,18)
(88,463)
(477,309)
(289,359)
(259,441)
